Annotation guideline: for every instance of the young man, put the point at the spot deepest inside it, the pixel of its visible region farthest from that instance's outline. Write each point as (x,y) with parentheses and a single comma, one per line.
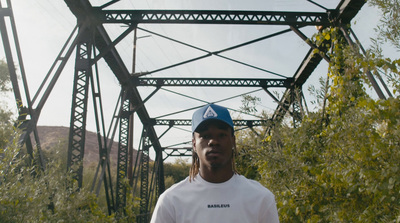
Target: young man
(214,191)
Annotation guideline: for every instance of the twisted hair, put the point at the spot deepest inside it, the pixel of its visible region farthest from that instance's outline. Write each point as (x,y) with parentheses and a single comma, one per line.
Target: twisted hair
(194,169)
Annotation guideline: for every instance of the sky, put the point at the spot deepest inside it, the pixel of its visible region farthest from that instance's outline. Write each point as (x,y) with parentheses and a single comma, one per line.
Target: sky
(44,25)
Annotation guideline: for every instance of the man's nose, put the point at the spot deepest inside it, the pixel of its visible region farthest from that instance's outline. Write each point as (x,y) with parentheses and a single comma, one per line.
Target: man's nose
(213,141)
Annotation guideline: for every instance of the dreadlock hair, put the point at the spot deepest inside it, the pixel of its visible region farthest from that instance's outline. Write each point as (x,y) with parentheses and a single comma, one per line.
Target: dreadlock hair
(194,169)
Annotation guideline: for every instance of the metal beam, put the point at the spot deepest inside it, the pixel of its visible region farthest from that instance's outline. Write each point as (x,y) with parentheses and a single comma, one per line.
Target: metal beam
(170,152)
(188,122)
(114,61)
(347,10)
(212,82)
(144,216)
(213,17)
(122,163)
(77,133)
(83,11)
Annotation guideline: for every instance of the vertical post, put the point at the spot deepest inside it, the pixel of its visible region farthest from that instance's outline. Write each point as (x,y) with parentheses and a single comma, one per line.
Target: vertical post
(123,152)
(131,119)
(102,140)
(144,177)
(83,73)
(296,105)
(160,173)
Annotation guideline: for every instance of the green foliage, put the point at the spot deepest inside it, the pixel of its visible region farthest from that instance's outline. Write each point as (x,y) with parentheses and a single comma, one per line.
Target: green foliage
(247,142)
(4,77)
(249,104)
(342,163)
(29,195)
(6,127)
(175,172)
(132,208)
(6,121)
(389,28)
(169,181)
(319,174)
(246,166)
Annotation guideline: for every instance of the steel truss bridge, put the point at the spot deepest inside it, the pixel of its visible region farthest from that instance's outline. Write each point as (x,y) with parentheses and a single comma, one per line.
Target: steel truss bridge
(91,42)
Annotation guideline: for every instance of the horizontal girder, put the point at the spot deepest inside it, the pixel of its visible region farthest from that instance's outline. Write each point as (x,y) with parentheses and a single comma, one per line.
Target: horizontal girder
(186,151)
(214,17)
(212,82)
(188,122)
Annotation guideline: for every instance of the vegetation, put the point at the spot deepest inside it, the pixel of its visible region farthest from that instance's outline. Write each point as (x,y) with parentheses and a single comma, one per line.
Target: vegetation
(28,194)
(342,163)
(6,121)
(175,172)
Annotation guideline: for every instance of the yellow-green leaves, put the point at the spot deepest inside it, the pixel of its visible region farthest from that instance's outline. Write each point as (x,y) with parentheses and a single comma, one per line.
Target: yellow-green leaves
(342,163)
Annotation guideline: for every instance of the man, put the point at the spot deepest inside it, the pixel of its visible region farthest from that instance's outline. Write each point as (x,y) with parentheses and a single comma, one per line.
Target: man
(214,191)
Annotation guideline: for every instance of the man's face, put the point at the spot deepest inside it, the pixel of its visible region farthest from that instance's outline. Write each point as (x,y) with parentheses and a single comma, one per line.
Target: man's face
(214,145)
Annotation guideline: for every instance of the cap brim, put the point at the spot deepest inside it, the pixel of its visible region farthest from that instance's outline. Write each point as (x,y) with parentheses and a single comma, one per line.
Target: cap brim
(218,122)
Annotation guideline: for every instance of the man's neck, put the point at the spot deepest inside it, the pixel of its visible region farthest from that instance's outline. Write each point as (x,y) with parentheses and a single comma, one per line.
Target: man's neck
(215,176)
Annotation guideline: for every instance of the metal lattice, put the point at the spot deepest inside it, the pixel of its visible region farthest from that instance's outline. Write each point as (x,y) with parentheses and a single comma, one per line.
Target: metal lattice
(212,82)
(76,147)
(188,122)
(297,109)
(98,38)
(213,17)
(122,163)
(144,177)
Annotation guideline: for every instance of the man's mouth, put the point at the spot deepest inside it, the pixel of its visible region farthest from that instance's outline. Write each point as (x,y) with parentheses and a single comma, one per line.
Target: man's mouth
(213,152)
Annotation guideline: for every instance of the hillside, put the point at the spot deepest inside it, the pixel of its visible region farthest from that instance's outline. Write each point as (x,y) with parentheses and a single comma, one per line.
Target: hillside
(51,136)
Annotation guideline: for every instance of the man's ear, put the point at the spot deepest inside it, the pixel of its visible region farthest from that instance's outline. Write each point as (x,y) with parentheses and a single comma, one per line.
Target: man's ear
(193,144)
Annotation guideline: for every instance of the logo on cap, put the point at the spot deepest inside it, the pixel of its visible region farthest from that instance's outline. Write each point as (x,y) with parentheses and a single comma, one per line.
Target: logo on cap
(210,113)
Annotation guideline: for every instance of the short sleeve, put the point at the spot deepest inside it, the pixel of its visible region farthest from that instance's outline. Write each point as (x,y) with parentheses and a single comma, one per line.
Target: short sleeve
(163,212)
(269,212)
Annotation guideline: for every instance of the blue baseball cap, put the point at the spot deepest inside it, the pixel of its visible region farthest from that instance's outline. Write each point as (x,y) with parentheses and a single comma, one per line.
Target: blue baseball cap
(211,112)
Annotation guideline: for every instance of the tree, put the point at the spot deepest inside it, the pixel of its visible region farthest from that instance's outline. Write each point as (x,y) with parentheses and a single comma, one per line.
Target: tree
(27,193)
(4,77)
(30,194)
(389,28)
(175,172)
(341,163)
(6,122)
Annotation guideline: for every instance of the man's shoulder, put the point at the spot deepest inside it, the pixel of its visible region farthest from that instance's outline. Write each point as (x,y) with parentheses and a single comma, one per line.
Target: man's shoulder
(177,187)
(254,186)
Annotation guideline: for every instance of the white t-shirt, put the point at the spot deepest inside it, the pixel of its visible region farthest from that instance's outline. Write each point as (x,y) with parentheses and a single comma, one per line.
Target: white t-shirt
(237,200)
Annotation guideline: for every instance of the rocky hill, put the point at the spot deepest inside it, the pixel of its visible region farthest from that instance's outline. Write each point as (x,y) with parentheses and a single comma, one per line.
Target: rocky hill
(57,136)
